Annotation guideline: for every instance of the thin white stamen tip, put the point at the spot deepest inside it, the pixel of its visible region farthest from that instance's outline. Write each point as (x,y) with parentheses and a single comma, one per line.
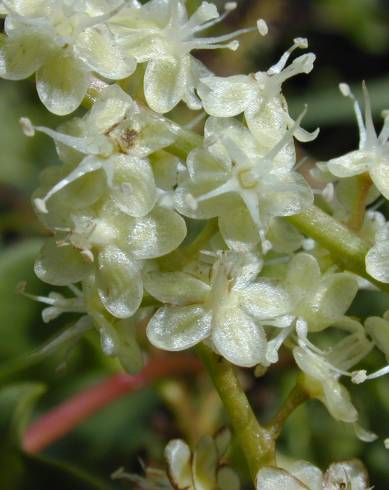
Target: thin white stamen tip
(359,377)
(191,202)
(301,42)
(88,256)
(234,45)
(345,89)
(309,244)
(230,6)
(27,127)
(40,205)
(262,26)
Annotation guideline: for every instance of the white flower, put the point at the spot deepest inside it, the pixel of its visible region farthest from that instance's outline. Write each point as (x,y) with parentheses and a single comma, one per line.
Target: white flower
(259,97)
(111,246)
(372,155)
(160,34)
(324,368)
(63,42)
(302,475)
(116,136)
(229,311)
(232,178)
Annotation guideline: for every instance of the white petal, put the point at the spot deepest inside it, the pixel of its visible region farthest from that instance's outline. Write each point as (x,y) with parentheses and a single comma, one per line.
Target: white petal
(269,478)
(378,329)
(283,236)
(303,276)
(62,83)
(377,261)
(60,266)
(338,401)
(118,282)
(165,82)
(379,174)
(349,474)
(330,301)
(178,456)
(133,185)
(22,54)
(353,163)
(307,473)
(177,288)
(264,300)
(98,49)
(238,229)
(238,338)
(177,328)
(226,97)
(157,234)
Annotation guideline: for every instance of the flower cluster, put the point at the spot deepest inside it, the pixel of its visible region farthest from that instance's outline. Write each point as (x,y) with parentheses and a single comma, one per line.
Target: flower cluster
(190,232)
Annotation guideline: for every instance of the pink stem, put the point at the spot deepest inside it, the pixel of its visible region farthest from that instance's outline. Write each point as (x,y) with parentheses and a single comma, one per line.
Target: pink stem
(72,412)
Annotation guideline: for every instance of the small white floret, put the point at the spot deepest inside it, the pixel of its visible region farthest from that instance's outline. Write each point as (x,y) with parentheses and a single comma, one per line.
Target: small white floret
(229,6)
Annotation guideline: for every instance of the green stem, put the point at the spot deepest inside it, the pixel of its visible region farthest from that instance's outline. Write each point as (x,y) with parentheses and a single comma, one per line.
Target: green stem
(255,441)
(295,398)
(363,185)
(347,248)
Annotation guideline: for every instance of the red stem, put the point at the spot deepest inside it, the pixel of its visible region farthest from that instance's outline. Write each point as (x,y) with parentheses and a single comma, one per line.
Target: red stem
(72,412)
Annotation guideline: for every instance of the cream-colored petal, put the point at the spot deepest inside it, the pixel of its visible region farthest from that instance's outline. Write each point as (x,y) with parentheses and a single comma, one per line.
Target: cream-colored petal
(377,261)
(338,401)
(178,288)
(237,337)
(133,185)
(265,299)
(205,459)
(60,265)
(303,276)
(164,83)
(379,173)
(62,83)
(22,54)
(349,474)
(238,229)
(378,329)
(118,282)
(178,456)
(99,50)
(177,328)
(156,234)
(353,163)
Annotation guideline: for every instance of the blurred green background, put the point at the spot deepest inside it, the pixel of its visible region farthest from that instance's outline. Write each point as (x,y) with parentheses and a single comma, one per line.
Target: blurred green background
(351,41)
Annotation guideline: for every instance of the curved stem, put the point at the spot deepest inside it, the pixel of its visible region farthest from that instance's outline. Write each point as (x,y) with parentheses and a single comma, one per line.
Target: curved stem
(256,441)
(72,412)
(363,184)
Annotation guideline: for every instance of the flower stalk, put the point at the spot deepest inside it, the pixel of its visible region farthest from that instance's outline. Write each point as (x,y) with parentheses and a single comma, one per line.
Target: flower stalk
(256,442)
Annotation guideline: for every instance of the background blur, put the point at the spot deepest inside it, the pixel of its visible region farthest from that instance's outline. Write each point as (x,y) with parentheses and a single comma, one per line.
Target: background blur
(351,41)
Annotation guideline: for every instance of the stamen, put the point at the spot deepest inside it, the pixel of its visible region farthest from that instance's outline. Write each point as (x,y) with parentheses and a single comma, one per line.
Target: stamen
(88,165)
(346,92)
(262,27)
(299,42)
(371,135)
(384,134)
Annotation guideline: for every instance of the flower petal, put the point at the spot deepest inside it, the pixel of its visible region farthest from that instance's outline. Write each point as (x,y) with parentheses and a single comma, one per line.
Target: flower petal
(353,163)
(165,82)
(238,338)
(133,185)
(62,83)
(238,229)
(350,474)
(177,328)
(226,97)
(98,49)
(177,288)
(303,276)
(378,329)
(22,54)
(118,282)
(157,234)
(379,174)
(377,261)
(338,401)
(264,300)
(178,456)
(60,265)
